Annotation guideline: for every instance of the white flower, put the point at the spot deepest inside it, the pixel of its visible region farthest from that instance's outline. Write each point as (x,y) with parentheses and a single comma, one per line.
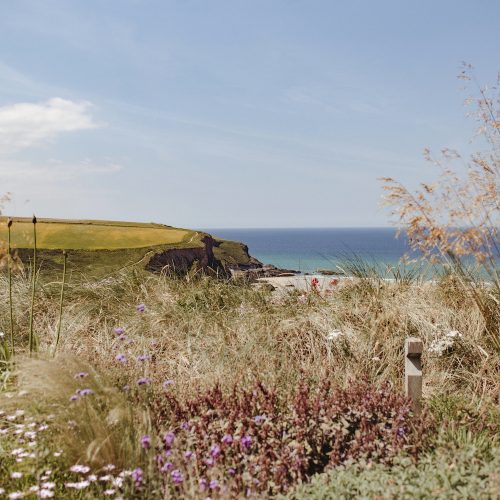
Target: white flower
(107,477)
(49,485)
(92,477)
(2,335)
(45,493)
(17,451)
(57,453)
(453,334)
(334,335)
(80,469)
(16,475)
(16,494)
(34,489)
(109,492)
(109,467)
(77,486)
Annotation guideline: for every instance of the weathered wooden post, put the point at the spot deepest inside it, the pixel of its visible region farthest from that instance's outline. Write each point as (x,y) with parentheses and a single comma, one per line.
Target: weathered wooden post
(413,372)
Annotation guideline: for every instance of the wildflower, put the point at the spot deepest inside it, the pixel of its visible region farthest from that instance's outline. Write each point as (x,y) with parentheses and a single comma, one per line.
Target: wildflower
(57,453)
(177,477)
(85,392)
(185,426)
(43,493)
(227,439)
(334,335)
(48,485)
(334,282)
(188,455)
(314,282)
(119,330)
(138,476)
(168,383)
(17,451)
(80,469)
(109,492)
(453,334)
(146,442)
(246,441)
(109,467)
(169,438)
(214,484)
(259,418)
(143,381)
(121,358)
(376,359)
(140,308)
(16,494)
(215,451)
(203,483)
(81,375)
(143,357)
(209,461)
(167,467)
(16,475)
(123,338)
(126,387)
(231,471)
(92,477)
(78,486)
(302,299)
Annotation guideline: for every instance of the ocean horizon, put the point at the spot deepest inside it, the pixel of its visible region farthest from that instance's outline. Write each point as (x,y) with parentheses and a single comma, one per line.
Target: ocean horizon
(309,249)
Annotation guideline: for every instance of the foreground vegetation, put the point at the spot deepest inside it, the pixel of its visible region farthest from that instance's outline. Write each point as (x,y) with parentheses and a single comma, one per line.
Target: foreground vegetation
(201,387)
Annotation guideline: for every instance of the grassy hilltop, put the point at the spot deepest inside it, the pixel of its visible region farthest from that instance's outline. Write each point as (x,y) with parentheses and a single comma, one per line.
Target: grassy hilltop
(99,247)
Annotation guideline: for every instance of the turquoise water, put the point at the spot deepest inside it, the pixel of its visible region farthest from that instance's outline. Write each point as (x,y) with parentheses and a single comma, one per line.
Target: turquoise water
(307,250)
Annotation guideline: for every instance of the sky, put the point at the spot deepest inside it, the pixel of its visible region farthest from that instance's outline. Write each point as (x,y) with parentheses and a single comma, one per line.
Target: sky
(255,113)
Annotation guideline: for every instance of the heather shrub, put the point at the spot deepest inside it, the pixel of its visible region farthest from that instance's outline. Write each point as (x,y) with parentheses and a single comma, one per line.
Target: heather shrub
(253,441)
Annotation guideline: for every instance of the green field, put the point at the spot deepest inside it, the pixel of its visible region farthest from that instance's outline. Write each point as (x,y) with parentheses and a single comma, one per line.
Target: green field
(55,234)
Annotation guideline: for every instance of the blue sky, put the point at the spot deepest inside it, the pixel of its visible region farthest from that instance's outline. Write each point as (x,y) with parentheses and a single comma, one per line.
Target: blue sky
(231,113)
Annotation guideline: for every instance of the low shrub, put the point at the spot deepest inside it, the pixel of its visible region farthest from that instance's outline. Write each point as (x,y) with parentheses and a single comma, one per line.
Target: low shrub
(250,441)
(453,472)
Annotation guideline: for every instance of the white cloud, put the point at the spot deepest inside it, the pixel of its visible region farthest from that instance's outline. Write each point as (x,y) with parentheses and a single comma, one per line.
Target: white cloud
(24,125)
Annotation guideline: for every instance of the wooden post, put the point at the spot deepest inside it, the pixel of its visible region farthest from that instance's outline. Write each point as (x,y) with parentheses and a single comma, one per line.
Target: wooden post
(413,372)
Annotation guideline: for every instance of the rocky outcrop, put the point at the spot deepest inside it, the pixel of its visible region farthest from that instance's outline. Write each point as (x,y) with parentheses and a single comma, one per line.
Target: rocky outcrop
(181,260)
(221,257)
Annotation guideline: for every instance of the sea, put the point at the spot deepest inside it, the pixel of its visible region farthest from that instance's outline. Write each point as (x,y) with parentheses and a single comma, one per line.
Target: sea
(310,250)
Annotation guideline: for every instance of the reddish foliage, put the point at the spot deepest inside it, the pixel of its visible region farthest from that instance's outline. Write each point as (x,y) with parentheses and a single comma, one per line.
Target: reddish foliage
(249,441)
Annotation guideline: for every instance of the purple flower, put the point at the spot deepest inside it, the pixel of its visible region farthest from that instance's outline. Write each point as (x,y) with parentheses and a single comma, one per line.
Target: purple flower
(401,432)
(214,484)
(167,467)
(138,476)
(188,455)
(146,442)
(231,471)
(143,381)
(227,439)
(215,451)
(167,383)
(185,426)
(121,358)
(246,441)
(140,308)
(143,357)
(259,418)
(119,330)
(81,375)
(123,338)
(203,484)
(169,438)
(209,461)
(73,397)
(177,477)
(84,392)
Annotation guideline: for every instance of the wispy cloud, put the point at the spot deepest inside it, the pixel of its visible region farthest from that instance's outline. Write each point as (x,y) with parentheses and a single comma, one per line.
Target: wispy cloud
(23,125)
(12,171)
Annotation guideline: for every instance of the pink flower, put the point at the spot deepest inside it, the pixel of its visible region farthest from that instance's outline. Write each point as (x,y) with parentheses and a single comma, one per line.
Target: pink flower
(140,308)
(121,358)
(119,330)
(215,451)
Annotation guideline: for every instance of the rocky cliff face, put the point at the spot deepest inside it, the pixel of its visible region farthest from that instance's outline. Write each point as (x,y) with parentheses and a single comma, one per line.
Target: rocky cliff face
(223,257)
(181,260)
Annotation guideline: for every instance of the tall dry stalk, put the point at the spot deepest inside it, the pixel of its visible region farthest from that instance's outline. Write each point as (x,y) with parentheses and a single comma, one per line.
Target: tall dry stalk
(456,218)
(33,289)
(61,299)
(9,278)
